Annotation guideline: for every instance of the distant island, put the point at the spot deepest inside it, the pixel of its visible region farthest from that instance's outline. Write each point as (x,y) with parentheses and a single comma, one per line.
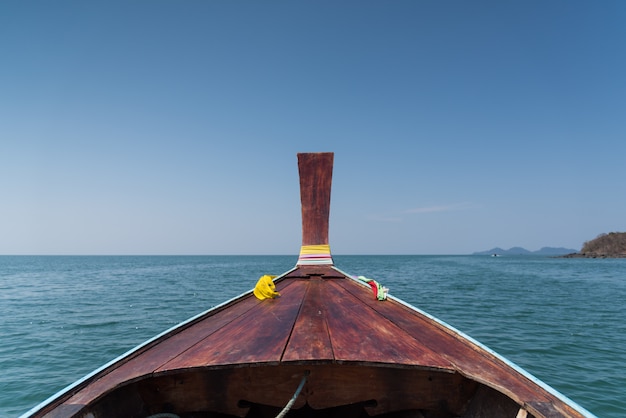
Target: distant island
(547,251)
(611,245)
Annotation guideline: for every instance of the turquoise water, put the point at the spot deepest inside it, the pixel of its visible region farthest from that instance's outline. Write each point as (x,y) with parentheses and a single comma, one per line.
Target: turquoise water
(563,320)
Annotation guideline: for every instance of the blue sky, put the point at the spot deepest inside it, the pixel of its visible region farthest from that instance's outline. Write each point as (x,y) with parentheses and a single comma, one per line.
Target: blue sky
(172,127)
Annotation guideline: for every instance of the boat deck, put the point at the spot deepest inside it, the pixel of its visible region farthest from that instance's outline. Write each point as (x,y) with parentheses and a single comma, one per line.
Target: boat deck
(322,320)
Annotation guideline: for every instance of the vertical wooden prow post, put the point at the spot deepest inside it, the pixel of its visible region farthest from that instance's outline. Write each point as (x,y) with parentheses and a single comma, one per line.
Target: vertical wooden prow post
(316,172)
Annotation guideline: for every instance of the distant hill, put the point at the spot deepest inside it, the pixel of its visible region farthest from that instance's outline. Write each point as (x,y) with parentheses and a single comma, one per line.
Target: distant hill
(611,245)
(547,251)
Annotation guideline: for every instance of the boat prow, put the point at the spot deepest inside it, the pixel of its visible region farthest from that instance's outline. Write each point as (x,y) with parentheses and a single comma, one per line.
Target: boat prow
(325,347)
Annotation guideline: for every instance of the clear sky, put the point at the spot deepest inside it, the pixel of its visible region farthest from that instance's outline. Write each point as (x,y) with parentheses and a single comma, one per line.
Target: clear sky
(172,127)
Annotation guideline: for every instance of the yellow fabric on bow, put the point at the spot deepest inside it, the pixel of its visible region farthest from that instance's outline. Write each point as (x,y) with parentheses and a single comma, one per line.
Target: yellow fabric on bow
(265,288)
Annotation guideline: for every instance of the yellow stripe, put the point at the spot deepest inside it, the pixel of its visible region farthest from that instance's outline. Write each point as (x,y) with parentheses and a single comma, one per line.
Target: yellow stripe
(315,254)
(315,249)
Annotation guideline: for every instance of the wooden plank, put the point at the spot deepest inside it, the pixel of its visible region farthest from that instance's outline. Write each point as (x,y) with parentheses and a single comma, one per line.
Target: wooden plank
(309,339)
(64,411)
(153,357)
(359,333)
(551,409)
(469,359)
(316,170)
(306,271)
(392,389)
(150,358)
(198,390)
(259,336)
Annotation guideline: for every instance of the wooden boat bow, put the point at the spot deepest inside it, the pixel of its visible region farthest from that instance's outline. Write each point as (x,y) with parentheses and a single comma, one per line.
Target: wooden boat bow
(361,357)
(316,172)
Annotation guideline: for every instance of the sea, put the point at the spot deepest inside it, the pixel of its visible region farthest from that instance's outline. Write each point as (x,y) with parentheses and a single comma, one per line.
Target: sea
(562,320)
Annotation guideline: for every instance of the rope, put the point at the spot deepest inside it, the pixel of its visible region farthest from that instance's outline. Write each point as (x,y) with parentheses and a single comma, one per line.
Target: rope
(294,397)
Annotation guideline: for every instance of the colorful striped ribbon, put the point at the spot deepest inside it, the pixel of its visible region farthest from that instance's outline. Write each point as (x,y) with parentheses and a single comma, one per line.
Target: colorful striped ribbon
(315,254)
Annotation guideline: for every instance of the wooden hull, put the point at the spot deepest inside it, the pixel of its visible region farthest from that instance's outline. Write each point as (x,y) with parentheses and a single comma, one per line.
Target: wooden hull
(362,357)
(348,390)
(325,347)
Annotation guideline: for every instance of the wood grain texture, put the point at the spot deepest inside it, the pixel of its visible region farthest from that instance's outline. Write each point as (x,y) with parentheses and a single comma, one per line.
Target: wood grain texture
(309,339)
(466,357)
(316,170)
(259,336)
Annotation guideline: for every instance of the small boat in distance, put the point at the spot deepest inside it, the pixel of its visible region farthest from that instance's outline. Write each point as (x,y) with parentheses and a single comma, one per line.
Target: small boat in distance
(312,342)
